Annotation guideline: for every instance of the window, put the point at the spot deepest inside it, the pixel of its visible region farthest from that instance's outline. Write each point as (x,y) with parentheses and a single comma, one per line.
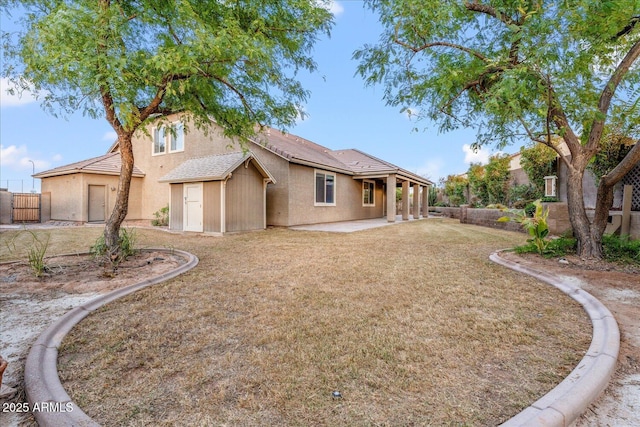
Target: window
(550,186)
(159,140)
(325,189)
(175,137)
(368,193)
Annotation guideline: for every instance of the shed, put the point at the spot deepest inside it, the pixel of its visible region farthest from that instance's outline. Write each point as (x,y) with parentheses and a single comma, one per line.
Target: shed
(219,194)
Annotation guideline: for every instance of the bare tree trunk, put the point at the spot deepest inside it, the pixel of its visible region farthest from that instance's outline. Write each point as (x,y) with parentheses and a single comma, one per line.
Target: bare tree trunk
(112,227)
(577,214)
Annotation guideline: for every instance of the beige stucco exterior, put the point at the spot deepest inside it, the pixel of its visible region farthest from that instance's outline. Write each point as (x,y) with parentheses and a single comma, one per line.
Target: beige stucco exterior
(252,200)
(70,195)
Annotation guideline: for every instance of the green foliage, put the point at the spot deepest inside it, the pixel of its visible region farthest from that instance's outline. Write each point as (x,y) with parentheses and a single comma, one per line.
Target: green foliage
(455,187)
(530,209)
(538,161)
(621,249)
(36,250)
(36,254)
(559,247)
(490,183)
(233,62)
(520,195)
(127,242)
(536,225)
(161,217)
(613,149)
(433,195)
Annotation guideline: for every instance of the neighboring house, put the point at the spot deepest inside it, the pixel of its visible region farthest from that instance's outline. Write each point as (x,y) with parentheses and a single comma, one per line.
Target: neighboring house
(212,185)
(556,185)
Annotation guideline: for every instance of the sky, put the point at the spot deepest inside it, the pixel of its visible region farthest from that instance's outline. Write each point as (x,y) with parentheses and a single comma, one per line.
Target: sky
(342,113)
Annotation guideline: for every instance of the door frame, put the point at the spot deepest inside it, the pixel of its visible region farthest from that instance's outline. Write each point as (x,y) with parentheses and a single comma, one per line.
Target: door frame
(185,215)
(104,203)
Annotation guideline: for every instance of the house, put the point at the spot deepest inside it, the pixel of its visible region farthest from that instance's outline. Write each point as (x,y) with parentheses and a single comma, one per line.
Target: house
(213,184)
(625,211)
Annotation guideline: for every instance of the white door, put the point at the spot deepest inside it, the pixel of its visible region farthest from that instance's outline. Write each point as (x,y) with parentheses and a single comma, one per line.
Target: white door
(192,220)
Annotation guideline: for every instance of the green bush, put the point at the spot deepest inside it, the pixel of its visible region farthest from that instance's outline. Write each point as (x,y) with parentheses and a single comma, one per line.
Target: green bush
(127,240)
(161,217)
(621,249)
(530,209)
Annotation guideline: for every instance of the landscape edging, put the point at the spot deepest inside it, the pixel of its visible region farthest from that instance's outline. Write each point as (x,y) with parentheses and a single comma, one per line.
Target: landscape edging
(568,400)
(42,384)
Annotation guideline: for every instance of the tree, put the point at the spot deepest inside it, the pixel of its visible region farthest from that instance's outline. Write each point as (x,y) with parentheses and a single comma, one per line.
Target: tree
(519,69)
(538,161)
(136,61)
(490,183)
(455,188)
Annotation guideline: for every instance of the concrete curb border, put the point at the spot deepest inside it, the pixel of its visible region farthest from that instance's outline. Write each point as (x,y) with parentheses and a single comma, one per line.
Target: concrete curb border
(42,384)
(569,399)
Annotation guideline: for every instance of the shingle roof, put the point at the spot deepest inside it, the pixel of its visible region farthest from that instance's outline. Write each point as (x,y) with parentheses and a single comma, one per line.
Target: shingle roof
(108,164)
(298,149)
(351,161)
(211,168)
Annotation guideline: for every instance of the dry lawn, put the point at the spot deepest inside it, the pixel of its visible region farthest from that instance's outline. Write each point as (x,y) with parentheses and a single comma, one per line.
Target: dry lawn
(411,323)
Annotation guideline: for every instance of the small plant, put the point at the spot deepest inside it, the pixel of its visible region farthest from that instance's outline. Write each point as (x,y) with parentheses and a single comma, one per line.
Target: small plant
(536,226)
(621,249)
(35,252)
(127,242)
(161,217)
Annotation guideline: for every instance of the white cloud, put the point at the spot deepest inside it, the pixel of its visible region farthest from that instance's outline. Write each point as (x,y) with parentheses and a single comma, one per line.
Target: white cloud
(110,136)
(11,100)
(480,155)
(336,8)
(18,159)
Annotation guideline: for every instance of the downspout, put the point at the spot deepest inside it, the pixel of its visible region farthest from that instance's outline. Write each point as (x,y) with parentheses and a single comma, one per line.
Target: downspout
(223,204)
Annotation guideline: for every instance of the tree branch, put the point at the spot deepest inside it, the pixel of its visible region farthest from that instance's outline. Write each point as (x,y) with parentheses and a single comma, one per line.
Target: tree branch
(608,92)
(436,44)
(474,6)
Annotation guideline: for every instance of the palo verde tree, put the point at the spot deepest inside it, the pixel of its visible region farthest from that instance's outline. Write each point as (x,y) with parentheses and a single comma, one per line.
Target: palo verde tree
(131,62)
(517,69)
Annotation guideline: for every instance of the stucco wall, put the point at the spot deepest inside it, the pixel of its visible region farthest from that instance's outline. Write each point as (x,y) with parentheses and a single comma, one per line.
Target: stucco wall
(278,193)
(348,193)
(155,195)
(487,218)
(70,195)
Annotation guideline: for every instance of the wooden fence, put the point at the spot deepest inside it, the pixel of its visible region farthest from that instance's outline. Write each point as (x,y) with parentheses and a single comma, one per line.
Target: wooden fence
(25,207)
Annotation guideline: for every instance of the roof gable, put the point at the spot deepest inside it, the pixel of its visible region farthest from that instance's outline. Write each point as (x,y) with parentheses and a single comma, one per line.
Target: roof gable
(108,164)
(212,168)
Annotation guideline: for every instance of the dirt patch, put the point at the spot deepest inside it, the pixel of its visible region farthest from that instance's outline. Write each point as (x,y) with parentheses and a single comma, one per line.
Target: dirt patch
(29,304)
(618,288)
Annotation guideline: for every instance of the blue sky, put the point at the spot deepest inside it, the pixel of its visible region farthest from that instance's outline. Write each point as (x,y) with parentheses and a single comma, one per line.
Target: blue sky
(342,113)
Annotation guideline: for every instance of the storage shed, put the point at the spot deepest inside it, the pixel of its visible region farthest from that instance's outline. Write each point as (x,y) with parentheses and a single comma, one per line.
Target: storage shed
(219,194)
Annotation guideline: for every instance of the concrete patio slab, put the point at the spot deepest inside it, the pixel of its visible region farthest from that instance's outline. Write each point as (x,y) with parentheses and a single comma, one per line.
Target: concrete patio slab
(351,226)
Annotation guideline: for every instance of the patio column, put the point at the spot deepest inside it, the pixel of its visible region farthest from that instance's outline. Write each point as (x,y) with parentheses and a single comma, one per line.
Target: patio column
(425,201)
(391,198)
(416,201)
(405,200)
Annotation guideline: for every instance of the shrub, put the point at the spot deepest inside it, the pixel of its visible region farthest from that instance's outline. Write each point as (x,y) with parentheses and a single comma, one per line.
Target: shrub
(161,217)
(536,226)
(621,249)
(127,242)
(35,252)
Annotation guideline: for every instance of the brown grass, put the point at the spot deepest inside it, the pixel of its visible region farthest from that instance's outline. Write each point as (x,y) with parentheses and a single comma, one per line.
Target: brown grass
(411,323)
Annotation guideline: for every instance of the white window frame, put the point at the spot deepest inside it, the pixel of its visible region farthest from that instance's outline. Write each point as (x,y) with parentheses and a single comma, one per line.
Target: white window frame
(365,185)
(156,132)
(315,195)
(550,186)
(173,136)
(169,134)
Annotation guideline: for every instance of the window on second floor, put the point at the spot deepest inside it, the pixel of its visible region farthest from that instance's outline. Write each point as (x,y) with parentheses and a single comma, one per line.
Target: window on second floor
(325,189)
(159,140)
(368,193)
(171,137)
